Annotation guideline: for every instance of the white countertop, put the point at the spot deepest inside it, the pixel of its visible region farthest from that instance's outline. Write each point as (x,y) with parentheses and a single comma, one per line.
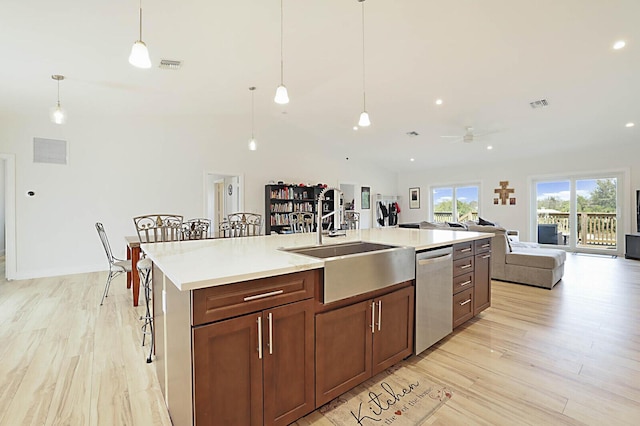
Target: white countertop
(205,263)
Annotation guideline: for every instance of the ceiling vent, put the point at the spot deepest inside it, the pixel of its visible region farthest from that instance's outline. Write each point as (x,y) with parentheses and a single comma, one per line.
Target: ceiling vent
(539,104)
(412,134)
(170,65)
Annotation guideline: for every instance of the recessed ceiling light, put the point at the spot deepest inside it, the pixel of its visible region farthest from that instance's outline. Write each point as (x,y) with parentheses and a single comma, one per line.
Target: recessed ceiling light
(355,127)
(489,147)
(629,125)
(619,44)
(412,159)
(438,101)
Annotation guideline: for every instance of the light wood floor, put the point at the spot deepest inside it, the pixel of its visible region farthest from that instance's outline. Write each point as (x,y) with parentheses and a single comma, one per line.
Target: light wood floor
(566,356)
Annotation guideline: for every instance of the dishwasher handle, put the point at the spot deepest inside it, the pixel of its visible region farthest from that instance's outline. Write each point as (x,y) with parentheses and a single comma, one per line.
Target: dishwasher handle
(430,260)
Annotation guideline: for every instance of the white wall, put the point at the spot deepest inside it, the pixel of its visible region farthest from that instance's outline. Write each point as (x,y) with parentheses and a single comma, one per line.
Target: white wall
(2,206)
(519,173)
(120,167)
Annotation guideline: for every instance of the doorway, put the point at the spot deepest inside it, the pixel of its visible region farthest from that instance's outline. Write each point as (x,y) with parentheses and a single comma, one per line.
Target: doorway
(8,213)
(353,201)
(224,194)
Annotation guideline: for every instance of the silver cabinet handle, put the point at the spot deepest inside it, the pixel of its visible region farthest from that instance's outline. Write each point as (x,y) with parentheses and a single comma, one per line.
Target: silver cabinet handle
(260,296)
(379,314)
(465,266)
(260,337)
(270,333)
(465,283)
(465,250)
(487,256)
(373,317)
(486,245)
(465,302)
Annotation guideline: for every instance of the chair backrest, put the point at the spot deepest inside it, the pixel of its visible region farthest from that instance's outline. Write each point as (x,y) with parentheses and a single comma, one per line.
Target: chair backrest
(352,219)
(224,229)
(105,241)
(156,228)
(196,229)
(245,224)
(295,221)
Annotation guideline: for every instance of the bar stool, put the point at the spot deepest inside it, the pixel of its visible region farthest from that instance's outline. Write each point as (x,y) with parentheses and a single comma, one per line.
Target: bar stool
(144,270)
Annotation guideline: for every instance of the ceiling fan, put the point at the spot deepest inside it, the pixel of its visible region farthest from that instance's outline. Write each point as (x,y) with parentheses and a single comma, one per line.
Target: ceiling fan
(469,135)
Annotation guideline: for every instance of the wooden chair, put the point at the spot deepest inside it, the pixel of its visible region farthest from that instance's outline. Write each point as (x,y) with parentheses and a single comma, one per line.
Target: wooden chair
(156,228)
(116,266)
(196,229)
(245,224)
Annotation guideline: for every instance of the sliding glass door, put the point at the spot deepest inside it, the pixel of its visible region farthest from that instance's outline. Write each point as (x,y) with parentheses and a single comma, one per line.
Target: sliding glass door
(581,214)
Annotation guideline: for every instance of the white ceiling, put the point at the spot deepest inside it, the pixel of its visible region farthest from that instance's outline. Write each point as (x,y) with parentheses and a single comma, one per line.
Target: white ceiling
(487,59)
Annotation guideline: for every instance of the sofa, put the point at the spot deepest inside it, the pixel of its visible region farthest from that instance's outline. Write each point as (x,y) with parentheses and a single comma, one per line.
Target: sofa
(517,262)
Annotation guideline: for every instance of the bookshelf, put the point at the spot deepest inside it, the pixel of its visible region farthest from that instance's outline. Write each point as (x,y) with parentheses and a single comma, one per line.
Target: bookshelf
(280,200)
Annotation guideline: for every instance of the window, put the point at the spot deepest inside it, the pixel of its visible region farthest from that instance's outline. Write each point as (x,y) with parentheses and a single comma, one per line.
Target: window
(465,207)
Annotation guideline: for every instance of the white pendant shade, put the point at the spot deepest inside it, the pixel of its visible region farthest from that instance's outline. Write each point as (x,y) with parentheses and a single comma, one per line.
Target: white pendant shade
(364,119)
(282,97)
(139,56)
(253,144)
(58,115)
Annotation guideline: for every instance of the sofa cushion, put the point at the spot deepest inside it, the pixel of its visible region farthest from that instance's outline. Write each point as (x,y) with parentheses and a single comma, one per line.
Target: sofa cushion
(433,225)
(536,258)
(485,228)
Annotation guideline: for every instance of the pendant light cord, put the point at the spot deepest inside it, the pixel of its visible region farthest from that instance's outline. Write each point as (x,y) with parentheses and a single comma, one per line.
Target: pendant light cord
(252,111)
(58,92)
(140,20)
(281,43)
(364,94)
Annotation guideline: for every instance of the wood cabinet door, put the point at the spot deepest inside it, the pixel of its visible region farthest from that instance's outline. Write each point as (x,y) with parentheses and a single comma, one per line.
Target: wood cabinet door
(462,307)
(343,350)
(393,331)
(482,283)
(288,360)
(227,372)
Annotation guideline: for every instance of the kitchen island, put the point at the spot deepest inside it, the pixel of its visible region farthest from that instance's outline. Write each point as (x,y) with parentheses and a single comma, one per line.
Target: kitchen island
(243,335)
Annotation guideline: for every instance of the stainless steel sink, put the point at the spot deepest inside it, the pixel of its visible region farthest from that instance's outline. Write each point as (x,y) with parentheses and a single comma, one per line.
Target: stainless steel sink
(345,249)
(354,268)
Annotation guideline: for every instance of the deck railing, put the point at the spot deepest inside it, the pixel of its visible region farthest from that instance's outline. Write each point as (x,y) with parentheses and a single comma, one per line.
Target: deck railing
(448,217)
(594,229)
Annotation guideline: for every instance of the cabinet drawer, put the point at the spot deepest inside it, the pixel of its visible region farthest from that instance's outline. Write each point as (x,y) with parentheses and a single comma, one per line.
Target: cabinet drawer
(462,307)
(462,282)
(226,301)
(482,246)
(462,266)
(461,250)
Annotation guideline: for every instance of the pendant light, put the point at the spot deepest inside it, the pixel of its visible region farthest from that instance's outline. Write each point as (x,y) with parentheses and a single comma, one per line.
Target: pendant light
(253,144)
(139,56)
(364,116)
(282,97)
(57,113)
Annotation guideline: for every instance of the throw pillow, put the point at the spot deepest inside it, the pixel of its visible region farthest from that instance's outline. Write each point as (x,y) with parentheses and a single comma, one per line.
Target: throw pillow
(481,221)
(456,225)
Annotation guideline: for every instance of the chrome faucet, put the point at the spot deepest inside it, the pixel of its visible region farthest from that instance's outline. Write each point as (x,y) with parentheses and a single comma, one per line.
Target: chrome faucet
(336,191)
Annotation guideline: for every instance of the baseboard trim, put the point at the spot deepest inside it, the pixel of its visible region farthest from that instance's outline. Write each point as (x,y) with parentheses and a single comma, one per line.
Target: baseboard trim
(55,272)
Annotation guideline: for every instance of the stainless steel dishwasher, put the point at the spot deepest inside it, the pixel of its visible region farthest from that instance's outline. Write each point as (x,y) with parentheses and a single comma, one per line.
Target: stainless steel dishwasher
(434,296)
